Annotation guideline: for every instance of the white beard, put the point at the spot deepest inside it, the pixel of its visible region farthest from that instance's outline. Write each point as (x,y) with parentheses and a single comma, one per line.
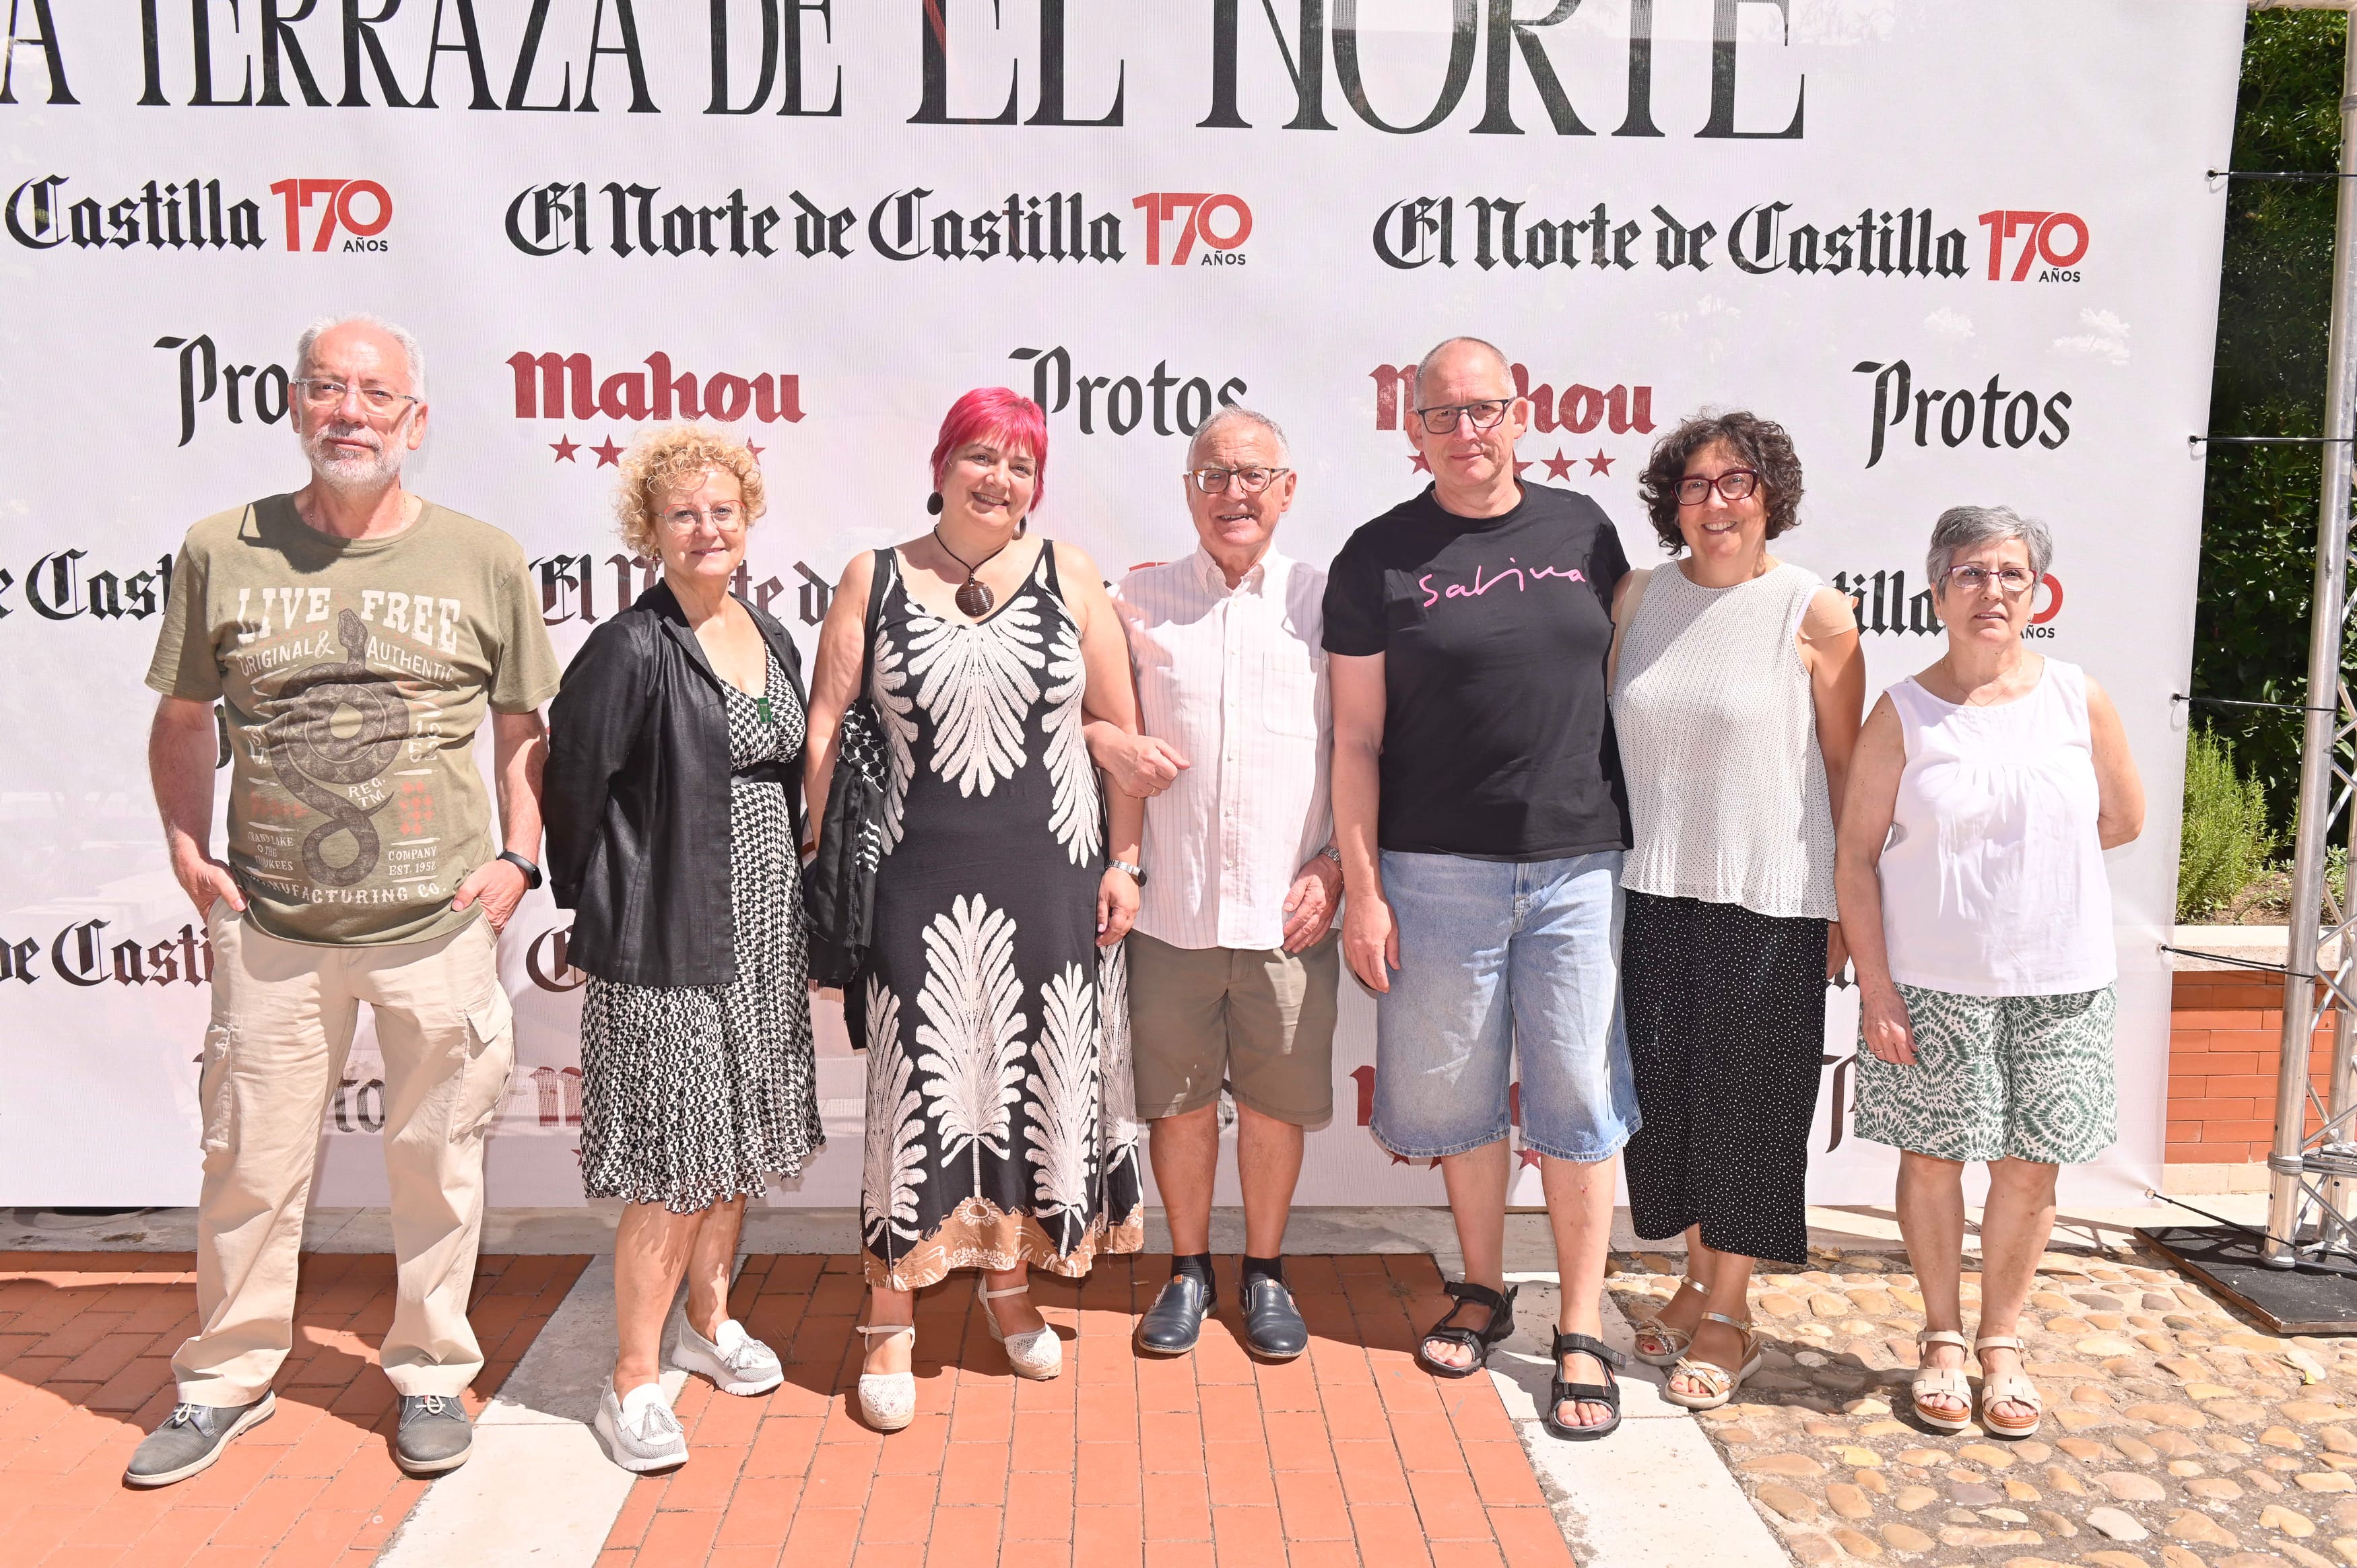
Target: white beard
(351,472)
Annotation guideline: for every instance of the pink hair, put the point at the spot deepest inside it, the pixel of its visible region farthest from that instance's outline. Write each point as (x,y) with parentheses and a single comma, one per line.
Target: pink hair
(1002,416)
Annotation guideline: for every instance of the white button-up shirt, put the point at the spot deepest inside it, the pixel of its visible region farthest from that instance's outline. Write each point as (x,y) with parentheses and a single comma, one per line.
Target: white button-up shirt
(1235,678)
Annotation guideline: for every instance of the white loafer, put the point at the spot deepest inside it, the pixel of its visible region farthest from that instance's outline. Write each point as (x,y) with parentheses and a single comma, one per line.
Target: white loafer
(736,1362)
(640,1431)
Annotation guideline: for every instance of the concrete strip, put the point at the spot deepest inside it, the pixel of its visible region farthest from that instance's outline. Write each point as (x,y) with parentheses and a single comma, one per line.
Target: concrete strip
(590,1229)
(534,1442)
(1655,1493)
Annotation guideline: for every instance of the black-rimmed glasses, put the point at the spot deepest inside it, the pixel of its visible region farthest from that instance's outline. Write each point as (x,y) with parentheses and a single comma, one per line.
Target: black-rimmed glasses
(1484,414)
(1214,481)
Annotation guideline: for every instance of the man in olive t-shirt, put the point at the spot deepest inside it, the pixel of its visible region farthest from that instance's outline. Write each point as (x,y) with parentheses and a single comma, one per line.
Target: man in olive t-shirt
(354,636)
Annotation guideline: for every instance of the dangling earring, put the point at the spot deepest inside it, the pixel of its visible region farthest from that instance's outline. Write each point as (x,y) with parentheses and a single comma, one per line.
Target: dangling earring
(933,503)
(1022,526)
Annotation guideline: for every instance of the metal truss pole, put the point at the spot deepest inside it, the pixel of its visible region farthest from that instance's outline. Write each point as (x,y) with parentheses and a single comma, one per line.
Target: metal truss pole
(2309,1176)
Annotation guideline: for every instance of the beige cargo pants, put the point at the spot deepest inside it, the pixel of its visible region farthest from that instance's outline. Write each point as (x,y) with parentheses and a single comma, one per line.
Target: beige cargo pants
(283,1016)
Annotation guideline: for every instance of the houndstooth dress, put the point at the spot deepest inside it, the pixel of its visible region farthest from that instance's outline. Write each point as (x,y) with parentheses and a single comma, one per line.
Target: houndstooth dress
(692,1095)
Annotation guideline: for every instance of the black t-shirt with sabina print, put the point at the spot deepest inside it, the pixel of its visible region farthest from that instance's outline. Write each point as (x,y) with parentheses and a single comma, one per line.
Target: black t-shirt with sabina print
(1497,740)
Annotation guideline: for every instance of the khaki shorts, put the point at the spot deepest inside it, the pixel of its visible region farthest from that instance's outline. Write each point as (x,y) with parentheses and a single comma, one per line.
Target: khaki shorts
(1261,1020)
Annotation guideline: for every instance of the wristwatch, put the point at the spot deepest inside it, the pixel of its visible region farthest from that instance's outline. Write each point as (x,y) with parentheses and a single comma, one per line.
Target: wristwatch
(1333,853)
(532,877)
(1137,873)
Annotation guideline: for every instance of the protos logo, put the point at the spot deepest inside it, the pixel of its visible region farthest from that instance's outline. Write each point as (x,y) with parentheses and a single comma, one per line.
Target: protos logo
(1207,215)
(361,208)
(2057,238)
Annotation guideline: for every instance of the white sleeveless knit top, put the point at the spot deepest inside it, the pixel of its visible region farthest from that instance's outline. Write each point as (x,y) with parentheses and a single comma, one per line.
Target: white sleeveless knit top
(1718,746)
(1992,879)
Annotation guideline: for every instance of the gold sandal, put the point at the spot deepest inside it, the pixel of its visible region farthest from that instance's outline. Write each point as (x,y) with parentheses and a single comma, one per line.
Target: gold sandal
(1674,1341)
(2010,1388)
(1720,1382)
(1948,1381)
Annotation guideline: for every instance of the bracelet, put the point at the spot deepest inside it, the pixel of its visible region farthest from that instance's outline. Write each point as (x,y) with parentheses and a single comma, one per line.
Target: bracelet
(1135,873)
(1332,853)
(532,877)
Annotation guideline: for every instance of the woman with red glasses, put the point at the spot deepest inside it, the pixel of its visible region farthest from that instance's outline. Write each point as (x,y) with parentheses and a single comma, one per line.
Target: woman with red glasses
(1736,686)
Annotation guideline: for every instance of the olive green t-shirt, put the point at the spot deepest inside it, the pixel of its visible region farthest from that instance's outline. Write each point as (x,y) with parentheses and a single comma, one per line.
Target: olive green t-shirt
(353,674)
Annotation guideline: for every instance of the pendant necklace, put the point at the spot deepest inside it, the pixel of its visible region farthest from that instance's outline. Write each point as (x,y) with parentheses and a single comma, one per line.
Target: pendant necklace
(974,595)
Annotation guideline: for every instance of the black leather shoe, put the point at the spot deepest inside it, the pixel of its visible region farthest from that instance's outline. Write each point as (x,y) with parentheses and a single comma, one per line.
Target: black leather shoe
(1273,1325)
(1175,1321)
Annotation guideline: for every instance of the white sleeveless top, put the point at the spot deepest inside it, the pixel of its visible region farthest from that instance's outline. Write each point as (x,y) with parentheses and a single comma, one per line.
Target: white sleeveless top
(1718,746)
(1993,881)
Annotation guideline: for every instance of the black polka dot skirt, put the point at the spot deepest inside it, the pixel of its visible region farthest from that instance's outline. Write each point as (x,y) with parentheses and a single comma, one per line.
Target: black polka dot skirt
(1727,1033)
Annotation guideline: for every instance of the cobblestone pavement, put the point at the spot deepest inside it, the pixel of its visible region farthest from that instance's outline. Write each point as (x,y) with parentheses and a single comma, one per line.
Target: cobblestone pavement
(2176,1435)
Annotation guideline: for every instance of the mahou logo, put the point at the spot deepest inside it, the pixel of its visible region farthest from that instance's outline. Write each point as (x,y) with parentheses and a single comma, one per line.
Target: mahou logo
(339,214)
(545,384)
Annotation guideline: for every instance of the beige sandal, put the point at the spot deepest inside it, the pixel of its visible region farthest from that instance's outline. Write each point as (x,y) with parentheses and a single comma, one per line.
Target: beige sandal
(1672,1341)
(2010,1388)
(1948,1381)
(1720,1382)
(888,1400)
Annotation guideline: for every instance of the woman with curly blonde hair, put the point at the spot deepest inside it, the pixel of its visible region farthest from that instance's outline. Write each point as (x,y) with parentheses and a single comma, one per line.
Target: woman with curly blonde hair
(673,808)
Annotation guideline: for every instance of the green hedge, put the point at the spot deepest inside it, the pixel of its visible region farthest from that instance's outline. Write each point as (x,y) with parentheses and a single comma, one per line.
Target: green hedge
(2258,534)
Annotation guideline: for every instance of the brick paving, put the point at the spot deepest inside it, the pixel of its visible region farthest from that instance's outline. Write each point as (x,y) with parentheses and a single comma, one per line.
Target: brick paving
(2176,1435)
(1347,1456)
(86,1342)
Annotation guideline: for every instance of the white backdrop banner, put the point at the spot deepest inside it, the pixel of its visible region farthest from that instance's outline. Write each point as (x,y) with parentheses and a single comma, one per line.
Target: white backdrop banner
(1965,249)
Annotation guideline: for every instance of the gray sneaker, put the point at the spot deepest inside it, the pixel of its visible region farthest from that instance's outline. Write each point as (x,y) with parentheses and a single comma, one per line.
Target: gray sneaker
(191,1438)
(434,1436)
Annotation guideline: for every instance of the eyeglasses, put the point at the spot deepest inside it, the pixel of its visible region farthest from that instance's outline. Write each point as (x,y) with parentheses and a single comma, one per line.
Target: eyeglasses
(2014,580)
(1484,414)
(1736,485)
(319,393)
(1214,481)
(727,518)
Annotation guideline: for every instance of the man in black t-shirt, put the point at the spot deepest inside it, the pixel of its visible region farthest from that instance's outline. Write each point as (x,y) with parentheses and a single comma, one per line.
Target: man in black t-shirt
(1478,807)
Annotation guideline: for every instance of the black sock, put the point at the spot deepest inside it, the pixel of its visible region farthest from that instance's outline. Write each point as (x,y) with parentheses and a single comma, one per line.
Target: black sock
(1261,1268)
(1194,1265)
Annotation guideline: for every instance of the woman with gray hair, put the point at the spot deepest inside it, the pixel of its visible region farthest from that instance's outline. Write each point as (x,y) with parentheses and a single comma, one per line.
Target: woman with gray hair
(1970,873)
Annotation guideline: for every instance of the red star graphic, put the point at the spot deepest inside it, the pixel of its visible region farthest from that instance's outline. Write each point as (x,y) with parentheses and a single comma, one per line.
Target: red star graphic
(564,446)
(1528,1156)
(752,451)
(609,455)
(1559,467)
(1600,464)
(1417,461)
(1519,468)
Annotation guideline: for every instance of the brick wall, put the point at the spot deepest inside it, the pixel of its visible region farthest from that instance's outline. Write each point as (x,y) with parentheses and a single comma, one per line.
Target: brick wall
(2224,1040)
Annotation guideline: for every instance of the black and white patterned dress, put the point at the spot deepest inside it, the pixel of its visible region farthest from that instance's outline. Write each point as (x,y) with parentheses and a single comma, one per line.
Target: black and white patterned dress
(1002,1123)
(692,1095)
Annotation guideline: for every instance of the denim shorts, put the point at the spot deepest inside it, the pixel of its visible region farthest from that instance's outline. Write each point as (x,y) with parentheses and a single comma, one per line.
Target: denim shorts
(1496,960)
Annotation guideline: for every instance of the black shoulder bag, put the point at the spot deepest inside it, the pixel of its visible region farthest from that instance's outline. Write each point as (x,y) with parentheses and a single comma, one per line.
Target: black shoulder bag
(839,887)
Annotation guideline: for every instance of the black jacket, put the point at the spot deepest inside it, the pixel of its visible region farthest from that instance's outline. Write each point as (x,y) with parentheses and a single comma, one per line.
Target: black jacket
(635,798)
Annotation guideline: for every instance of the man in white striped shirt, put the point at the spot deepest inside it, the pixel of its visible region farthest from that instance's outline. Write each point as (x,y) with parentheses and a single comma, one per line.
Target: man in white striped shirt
(1232,962)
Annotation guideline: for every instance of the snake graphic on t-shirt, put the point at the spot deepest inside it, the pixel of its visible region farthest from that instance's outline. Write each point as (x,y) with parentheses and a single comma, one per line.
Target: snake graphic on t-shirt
(305,749)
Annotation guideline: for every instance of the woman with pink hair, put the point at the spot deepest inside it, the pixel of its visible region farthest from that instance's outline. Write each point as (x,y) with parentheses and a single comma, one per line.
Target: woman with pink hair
(1002,1130)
